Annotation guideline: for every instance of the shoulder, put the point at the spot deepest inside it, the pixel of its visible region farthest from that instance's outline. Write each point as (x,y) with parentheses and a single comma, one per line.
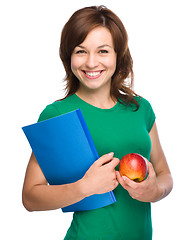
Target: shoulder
(49,112)
(143,102)
(57,108)
(147,112)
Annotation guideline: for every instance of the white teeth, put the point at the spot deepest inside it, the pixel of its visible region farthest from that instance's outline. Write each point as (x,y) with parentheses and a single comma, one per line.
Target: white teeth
(92,74)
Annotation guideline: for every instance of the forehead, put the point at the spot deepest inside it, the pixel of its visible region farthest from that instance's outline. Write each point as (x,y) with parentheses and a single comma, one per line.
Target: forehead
(97,37)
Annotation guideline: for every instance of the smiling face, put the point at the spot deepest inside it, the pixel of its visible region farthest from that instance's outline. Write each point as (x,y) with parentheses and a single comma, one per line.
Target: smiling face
(93,62)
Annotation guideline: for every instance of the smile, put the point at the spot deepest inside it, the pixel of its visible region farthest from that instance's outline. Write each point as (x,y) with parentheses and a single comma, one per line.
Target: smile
(93,74)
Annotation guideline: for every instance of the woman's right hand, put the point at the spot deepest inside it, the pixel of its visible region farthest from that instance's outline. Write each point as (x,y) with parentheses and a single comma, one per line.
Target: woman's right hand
(101,176)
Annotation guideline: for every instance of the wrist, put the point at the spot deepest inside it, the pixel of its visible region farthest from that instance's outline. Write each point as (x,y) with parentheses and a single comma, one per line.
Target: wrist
(84,188)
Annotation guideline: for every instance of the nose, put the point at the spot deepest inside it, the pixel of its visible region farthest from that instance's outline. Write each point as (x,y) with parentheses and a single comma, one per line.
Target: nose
(92,61)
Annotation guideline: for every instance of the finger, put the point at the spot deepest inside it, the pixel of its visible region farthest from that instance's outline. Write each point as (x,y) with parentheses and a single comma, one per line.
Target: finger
(116,183)
(151,171)
(119,178)
(121,181)
(130,183)
(149,164)
(114,162)
(104,159)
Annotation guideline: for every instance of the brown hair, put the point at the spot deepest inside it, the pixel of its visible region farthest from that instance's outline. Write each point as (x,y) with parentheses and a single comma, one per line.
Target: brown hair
(75,32)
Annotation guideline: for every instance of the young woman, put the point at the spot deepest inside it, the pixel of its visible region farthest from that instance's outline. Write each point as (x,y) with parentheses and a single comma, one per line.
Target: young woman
(94,51)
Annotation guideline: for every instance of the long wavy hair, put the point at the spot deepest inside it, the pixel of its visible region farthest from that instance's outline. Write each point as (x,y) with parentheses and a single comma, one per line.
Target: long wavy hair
(74,33)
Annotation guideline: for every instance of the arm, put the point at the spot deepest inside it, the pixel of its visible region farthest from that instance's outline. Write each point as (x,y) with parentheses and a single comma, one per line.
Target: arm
(159,163)
(38,195)
(159,181)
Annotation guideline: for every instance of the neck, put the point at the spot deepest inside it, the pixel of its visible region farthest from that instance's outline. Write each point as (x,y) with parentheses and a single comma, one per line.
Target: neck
(97,99)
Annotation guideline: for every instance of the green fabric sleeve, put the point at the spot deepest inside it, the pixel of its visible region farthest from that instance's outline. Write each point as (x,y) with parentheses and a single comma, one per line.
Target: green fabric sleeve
(149,116)
(49,112)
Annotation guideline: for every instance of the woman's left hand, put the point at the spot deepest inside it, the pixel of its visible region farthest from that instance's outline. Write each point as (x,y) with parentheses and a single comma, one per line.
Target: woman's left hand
(145,191)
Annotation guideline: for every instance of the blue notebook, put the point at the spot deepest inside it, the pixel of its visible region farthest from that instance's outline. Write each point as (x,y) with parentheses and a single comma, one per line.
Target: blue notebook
(65,150)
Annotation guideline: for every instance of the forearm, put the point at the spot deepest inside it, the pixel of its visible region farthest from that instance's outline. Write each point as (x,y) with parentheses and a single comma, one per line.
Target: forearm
(165,184)
(50,197)
(38,196)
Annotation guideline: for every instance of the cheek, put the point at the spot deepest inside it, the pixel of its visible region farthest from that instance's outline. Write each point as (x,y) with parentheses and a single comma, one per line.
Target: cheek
(111,64)
(75,63)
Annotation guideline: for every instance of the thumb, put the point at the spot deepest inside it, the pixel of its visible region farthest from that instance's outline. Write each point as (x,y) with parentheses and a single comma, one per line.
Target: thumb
(105,159)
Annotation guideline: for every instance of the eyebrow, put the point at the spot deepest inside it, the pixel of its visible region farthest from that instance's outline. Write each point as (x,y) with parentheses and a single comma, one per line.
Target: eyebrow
(105,45)
(102,46)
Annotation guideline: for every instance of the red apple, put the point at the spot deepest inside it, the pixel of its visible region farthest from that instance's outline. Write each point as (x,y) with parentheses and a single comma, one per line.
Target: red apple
(133,166)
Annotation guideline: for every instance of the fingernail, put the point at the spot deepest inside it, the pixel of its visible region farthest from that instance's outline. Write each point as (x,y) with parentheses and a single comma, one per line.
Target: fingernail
(124,178)
(111,154)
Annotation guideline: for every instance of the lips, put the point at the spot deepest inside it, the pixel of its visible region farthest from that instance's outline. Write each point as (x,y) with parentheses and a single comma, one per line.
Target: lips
(93,74)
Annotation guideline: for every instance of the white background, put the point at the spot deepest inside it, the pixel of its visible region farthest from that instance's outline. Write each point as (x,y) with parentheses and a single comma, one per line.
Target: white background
(31,76)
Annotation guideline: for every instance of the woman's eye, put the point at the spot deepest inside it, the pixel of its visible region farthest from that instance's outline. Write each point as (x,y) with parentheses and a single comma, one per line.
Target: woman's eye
(80,52)
(103,51)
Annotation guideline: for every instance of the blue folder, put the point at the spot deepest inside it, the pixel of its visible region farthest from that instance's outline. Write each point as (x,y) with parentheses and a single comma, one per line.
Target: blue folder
(65,150)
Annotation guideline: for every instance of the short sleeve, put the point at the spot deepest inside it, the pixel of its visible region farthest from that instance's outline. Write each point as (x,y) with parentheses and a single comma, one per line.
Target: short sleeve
(149,115)
(49,112)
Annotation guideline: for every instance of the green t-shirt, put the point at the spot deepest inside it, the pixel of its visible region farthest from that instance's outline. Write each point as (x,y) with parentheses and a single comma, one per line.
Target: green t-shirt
(120,130)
